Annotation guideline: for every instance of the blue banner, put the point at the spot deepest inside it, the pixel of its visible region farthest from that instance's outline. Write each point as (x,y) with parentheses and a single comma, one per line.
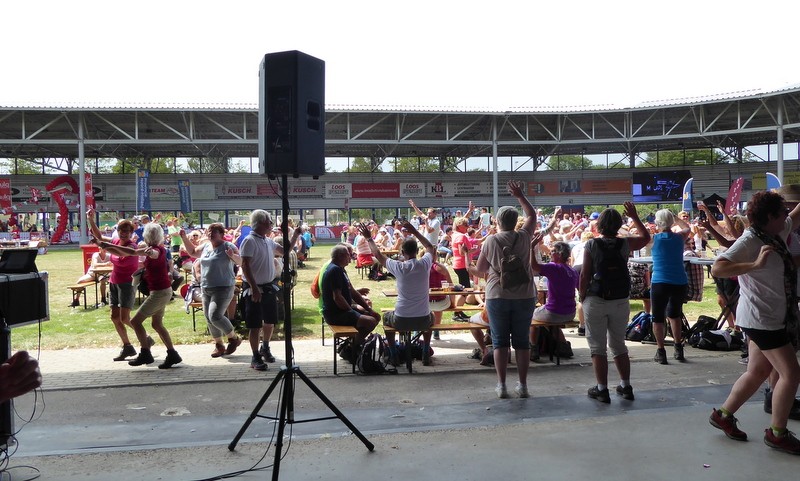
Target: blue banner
(688,205)
(773,182)
(142,190)
(185,191)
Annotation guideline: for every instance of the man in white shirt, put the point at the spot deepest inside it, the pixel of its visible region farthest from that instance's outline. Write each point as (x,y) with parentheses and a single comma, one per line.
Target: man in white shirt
(412,307)
(432,226)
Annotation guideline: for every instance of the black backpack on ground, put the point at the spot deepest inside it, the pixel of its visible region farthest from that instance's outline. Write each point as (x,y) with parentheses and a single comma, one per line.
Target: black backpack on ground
(372,356)
(610,280)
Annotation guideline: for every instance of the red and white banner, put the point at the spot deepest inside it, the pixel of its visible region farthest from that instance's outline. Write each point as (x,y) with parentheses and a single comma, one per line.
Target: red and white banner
(734,196)
(89,194)
(5,194)
(384,190)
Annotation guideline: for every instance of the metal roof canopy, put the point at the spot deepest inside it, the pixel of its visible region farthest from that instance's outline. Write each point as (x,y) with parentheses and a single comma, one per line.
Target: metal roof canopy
(225,131)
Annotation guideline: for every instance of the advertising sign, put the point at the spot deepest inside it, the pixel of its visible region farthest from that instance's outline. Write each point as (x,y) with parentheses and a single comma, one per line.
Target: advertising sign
(338,191)
(185,191)
(142,190)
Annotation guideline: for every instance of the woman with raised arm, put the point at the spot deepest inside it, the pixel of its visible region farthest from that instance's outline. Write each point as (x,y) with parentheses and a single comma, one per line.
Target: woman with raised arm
(156,273)
(122,292)
(768,315)
(606,307)
(510,307)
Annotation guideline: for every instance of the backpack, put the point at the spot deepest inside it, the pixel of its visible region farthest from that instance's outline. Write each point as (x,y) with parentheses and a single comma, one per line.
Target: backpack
(720,340)
(372,357)
(704,323)
(610,280)
(512,270)
(640,328)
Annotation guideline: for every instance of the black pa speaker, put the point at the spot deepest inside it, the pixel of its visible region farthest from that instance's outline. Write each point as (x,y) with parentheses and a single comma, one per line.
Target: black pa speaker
(291,114)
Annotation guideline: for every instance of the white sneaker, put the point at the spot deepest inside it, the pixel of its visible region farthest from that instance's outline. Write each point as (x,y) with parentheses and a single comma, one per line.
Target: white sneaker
(501,391)
(522,390)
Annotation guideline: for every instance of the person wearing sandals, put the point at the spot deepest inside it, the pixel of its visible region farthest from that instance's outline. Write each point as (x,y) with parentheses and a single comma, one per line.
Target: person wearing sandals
(607,315)
(218,281)
(510,308)
(156,273)
(767,313)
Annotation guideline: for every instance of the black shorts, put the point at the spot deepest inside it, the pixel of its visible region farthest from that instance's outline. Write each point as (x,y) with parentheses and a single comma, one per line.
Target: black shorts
(463,277)
(343,318)
(264,312)
(727,287)
(667,300)
(766,340)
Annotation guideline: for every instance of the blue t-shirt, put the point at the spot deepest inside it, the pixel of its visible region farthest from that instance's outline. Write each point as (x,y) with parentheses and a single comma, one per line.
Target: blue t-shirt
(668,265)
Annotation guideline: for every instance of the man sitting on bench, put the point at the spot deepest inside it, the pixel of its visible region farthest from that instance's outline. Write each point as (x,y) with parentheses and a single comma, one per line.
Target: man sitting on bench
(99,259)
(412,310)
(342,305)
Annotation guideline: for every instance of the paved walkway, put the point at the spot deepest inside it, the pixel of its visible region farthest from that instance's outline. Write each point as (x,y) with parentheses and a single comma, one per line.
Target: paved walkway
(92,368)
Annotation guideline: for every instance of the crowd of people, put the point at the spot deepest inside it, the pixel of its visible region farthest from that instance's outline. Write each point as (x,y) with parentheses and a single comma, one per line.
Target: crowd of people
(592,275)
(224,265)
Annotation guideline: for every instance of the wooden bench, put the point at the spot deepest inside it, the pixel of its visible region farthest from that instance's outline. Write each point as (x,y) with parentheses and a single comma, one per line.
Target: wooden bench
(81,289)
(340,335)
(550,339)
(450,326)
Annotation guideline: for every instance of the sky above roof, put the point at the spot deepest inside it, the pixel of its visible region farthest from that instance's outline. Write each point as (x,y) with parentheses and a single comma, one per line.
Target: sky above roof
(464,54)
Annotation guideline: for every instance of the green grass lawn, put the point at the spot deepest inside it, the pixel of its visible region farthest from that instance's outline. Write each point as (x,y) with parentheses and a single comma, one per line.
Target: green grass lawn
(77,327)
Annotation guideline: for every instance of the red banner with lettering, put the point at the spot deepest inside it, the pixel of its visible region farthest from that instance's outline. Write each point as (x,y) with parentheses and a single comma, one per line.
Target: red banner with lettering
(376,191)
(5,194)
(89,194)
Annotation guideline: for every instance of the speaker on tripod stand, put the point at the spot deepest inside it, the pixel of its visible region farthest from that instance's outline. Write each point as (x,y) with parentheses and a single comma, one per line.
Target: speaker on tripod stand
(291,119)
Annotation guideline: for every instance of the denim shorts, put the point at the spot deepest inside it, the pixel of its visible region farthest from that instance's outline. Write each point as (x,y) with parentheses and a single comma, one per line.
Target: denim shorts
(510,318)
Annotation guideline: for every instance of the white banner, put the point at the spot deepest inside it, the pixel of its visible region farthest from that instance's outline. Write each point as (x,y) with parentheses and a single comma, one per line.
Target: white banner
(338,191)
(161,192)
(237,190)
(441,189)
(473,189)
(305,190)
(412,190)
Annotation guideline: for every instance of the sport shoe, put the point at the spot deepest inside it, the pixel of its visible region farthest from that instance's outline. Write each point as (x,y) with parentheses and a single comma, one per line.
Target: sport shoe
(678,354)
(75,303)
(728,425)
(522,390)
(535,353)
(266,353)
(172,358)
(501,391)
(258,364)
(127,351)
(233,343)
(661,356)
(144,357)
(219,350)
(626,392)
(436,336)
(601,396)
(581,331)
(786,442)
(794,413)
(564,349)
(460,317)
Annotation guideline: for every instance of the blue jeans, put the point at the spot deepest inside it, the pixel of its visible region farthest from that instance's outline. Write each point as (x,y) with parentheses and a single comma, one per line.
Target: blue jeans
(510,318)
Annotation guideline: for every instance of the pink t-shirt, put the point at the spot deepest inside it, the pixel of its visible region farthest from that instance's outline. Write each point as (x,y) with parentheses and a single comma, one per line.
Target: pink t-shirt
(124,267)
(457,240)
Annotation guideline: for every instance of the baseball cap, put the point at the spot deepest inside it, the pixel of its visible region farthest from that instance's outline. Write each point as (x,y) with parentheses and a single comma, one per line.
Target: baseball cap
(594,216)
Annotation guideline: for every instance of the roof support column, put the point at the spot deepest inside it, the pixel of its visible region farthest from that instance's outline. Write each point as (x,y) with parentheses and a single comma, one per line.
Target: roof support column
(780,141)
(84,238)
(495,194)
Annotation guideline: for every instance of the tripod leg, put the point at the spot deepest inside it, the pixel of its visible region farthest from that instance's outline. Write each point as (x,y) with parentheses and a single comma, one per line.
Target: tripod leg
(333,408)
(283,418)
(281,375)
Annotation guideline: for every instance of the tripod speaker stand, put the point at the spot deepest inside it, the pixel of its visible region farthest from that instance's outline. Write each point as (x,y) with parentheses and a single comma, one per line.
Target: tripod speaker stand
(288,372)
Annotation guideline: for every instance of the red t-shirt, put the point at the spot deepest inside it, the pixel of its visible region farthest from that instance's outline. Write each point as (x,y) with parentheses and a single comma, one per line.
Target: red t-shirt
(156,271)
(124,267)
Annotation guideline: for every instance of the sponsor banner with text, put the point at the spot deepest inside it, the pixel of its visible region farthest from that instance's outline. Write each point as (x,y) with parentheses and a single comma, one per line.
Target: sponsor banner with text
(412,190)
(441,189)
(338,191)
(376,190)
(5,193)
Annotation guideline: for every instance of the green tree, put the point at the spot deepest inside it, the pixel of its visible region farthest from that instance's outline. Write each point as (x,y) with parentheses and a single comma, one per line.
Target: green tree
(683,158)
(19,167)
(570,162)
(363,164)
(156,165)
